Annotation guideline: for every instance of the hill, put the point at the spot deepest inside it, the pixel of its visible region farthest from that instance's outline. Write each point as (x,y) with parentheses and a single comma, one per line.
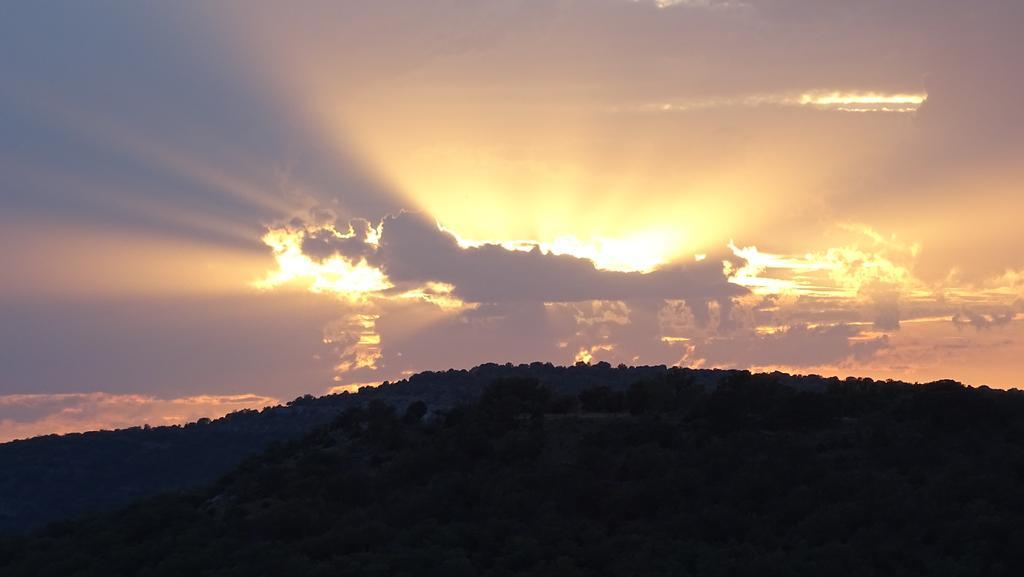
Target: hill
(60,476)
(669,475)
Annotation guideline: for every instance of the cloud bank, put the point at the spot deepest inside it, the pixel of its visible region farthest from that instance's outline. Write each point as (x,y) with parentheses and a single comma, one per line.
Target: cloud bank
(29,415)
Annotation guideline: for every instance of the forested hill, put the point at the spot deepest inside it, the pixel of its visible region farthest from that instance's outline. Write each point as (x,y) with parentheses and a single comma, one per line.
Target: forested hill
(58,477)
(667,476)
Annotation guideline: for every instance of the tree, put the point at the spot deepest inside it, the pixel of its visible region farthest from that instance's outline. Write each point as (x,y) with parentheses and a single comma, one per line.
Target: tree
(414,412)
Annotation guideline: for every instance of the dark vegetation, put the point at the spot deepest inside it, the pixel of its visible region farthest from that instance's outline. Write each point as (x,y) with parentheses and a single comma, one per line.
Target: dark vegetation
(56,477)
(674,474)
(60,476)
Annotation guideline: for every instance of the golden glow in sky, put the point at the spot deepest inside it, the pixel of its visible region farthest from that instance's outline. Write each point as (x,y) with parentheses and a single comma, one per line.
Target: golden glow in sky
(864,101)
(644,251)
(335,275)
(841,272)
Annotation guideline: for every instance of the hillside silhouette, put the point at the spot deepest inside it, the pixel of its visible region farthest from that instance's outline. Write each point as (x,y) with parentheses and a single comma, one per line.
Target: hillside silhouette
(652,472)
(56,477)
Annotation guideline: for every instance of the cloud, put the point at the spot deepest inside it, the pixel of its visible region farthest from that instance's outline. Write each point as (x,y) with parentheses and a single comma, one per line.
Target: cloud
(355,341)
(822,100)
(440,304)
(794,346)
(833,308)
(981,321)
(412,251)
(886,308)
(708,4)
(28,415)
(769,331)
(321,244)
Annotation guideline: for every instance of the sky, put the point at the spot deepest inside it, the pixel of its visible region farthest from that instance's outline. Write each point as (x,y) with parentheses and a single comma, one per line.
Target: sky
(209,206)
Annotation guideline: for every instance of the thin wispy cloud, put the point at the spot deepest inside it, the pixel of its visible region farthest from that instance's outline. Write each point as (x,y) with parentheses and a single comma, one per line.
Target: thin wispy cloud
(822,100)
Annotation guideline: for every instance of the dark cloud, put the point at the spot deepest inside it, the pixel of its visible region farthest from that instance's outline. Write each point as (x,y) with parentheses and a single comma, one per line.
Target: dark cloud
(795,346)
(886,311)
(982,321)
(324,243)
(506,332)
(414,250)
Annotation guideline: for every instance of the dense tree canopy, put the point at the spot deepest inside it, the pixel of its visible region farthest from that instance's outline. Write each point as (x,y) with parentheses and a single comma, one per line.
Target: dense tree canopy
(61,476)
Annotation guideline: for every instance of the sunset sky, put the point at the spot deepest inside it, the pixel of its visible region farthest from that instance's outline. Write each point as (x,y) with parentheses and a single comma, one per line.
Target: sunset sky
(208,206)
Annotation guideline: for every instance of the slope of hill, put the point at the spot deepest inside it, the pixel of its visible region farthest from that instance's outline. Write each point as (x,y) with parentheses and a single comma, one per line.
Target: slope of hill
(667,476)
(56,477)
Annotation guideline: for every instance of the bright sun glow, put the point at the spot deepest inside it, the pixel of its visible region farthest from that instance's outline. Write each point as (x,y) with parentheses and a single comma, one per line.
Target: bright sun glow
(438,294)
(641,252)
(843,272)
(864,101)
(334,275)
(341,277)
